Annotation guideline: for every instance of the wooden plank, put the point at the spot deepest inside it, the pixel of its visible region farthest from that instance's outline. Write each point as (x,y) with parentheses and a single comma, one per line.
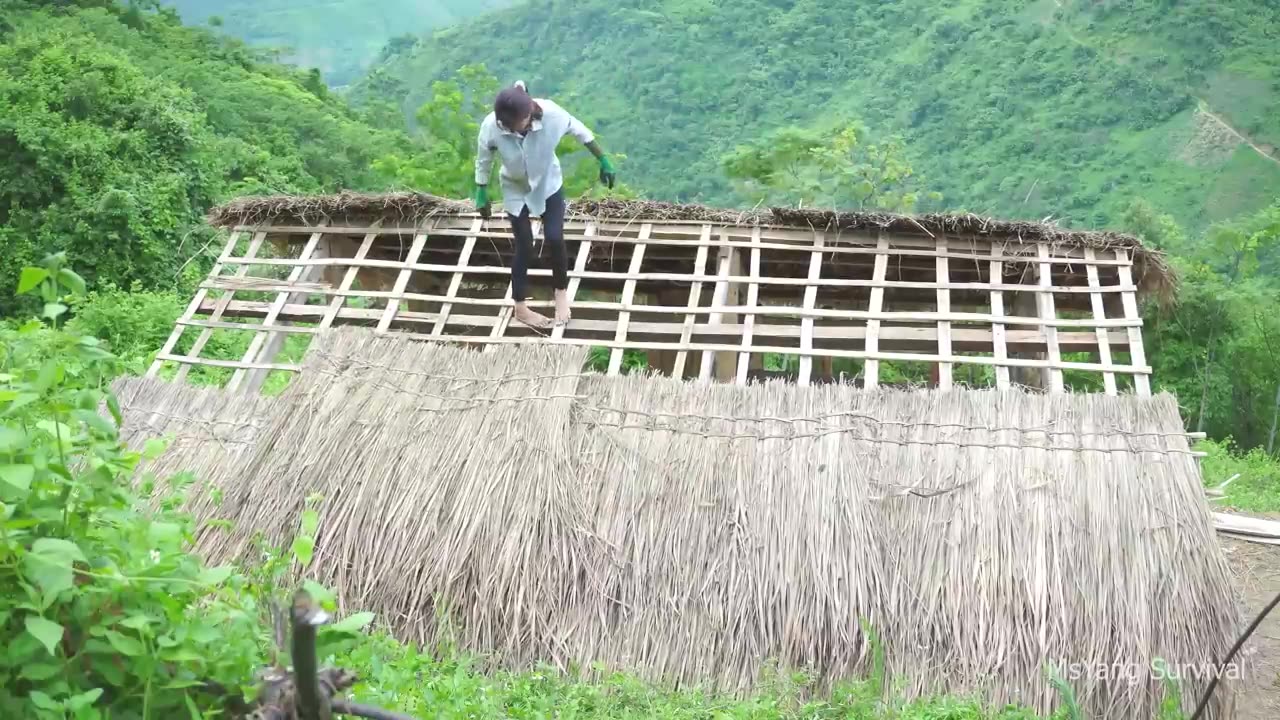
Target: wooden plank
(628,296)
(579,265)
(361,315)
(723,309)
(1100,313)
(1048,312)
(402,284)
(871,367)
(973,338)
(201,340)
(944,327)
(695,294)
(227,251)
(1142,384)
(753,301)
(455,284)
(498,270)
(347,280)
(260,339)
(810,298)
(999,348)
(188,361)
(252,327)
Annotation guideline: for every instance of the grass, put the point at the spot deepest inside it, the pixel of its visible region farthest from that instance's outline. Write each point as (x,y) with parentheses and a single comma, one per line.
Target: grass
(1257,489)
(447,685)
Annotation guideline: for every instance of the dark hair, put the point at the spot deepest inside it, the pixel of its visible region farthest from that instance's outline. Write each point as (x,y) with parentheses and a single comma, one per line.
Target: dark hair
(512,104)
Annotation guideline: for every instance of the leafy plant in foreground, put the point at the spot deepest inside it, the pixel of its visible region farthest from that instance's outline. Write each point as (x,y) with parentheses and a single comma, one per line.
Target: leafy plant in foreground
(103,613)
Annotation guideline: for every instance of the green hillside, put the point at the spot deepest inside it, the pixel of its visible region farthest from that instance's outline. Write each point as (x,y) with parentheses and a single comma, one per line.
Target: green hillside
(1024,108)
(340,37)
(121,127)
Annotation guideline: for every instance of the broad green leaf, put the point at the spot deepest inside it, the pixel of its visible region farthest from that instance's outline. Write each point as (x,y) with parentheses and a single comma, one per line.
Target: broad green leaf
(11,439)
(181,655)
(216,576)
(31,277)
(114,406)
(354,623)
(137,622)
(49,633)
(54,310)
(164,535)
(55,429)
(153,448)
(21,401)
(321,594)
(97,422)
(84,699)
(71,280)
(124,644)
(303,548)
(43,701)
(57,547)
(41,671)
(310,522)
(49,565)
(18,476)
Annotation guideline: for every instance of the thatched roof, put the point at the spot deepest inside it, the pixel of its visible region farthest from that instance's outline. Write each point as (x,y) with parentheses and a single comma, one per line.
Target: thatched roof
(1151,266)
(695,532)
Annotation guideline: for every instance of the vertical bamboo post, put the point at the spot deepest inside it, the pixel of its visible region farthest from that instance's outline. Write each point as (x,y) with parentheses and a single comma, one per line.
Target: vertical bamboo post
(1141,383)
(810,299)
(1099,314)
(944,308)
(745,357)
(1048,312)
(998,347)
(872,366)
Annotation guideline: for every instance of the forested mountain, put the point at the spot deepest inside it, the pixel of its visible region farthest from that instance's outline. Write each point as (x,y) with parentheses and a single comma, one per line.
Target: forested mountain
(119,127)
(339,37)
(1027,108)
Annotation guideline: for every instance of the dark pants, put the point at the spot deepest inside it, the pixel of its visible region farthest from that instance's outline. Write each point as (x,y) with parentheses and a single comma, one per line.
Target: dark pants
(553,232)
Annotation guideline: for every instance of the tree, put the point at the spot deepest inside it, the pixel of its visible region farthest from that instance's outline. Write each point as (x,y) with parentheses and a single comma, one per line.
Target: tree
(834,167)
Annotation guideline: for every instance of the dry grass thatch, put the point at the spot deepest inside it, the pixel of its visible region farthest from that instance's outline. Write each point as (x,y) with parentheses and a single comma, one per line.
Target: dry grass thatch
(1152,268)
(693,532)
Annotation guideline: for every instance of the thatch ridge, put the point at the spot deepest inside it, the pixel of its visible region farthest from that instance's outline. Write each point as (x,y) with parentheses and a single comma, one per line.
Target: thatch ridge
(693,531)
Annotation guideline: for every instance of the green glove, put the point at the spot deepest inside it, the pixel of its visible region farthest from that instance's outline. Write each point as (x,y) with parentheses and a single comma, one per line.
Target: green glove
(481,199)
(607,174)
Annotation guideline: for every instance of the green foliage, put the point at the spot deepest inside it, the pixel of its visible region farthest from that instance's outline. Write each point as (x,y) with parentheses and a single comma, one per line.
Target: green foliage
(1254,476)
(104,613)
(1014,109)
(342,40)
(118,136)
(836,167)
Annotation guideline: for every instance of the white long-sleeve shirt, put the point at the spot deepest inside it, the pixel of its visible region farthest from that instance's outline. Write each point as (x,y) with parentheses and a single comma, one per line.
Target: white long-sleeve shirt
(530,169)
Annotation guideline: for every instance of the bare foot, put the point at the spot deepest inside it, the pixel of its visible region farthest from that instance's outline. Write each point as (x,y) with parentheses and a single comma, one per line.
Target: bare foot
(530,317)
(562,307)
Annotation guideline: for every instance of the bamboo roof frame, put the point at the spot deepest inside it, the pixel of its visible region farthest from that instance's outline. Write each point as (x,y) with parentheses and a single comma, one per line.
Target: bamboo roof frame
(705,294)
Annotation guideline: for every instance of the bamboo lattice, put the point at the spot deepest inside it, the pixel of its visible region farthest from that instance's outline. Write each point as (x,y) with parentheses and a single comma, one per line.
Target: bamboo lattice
(700,300)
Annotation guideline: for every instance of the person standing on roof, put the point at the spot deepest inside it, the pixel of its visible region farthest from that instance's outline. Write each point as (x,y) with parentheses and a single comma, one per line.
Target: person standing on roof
(524,132)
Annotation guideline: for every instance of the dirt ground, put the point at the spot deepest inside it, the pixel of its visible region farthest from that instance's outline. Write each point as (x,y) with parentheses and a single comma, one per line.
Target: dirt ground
(1257,571)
